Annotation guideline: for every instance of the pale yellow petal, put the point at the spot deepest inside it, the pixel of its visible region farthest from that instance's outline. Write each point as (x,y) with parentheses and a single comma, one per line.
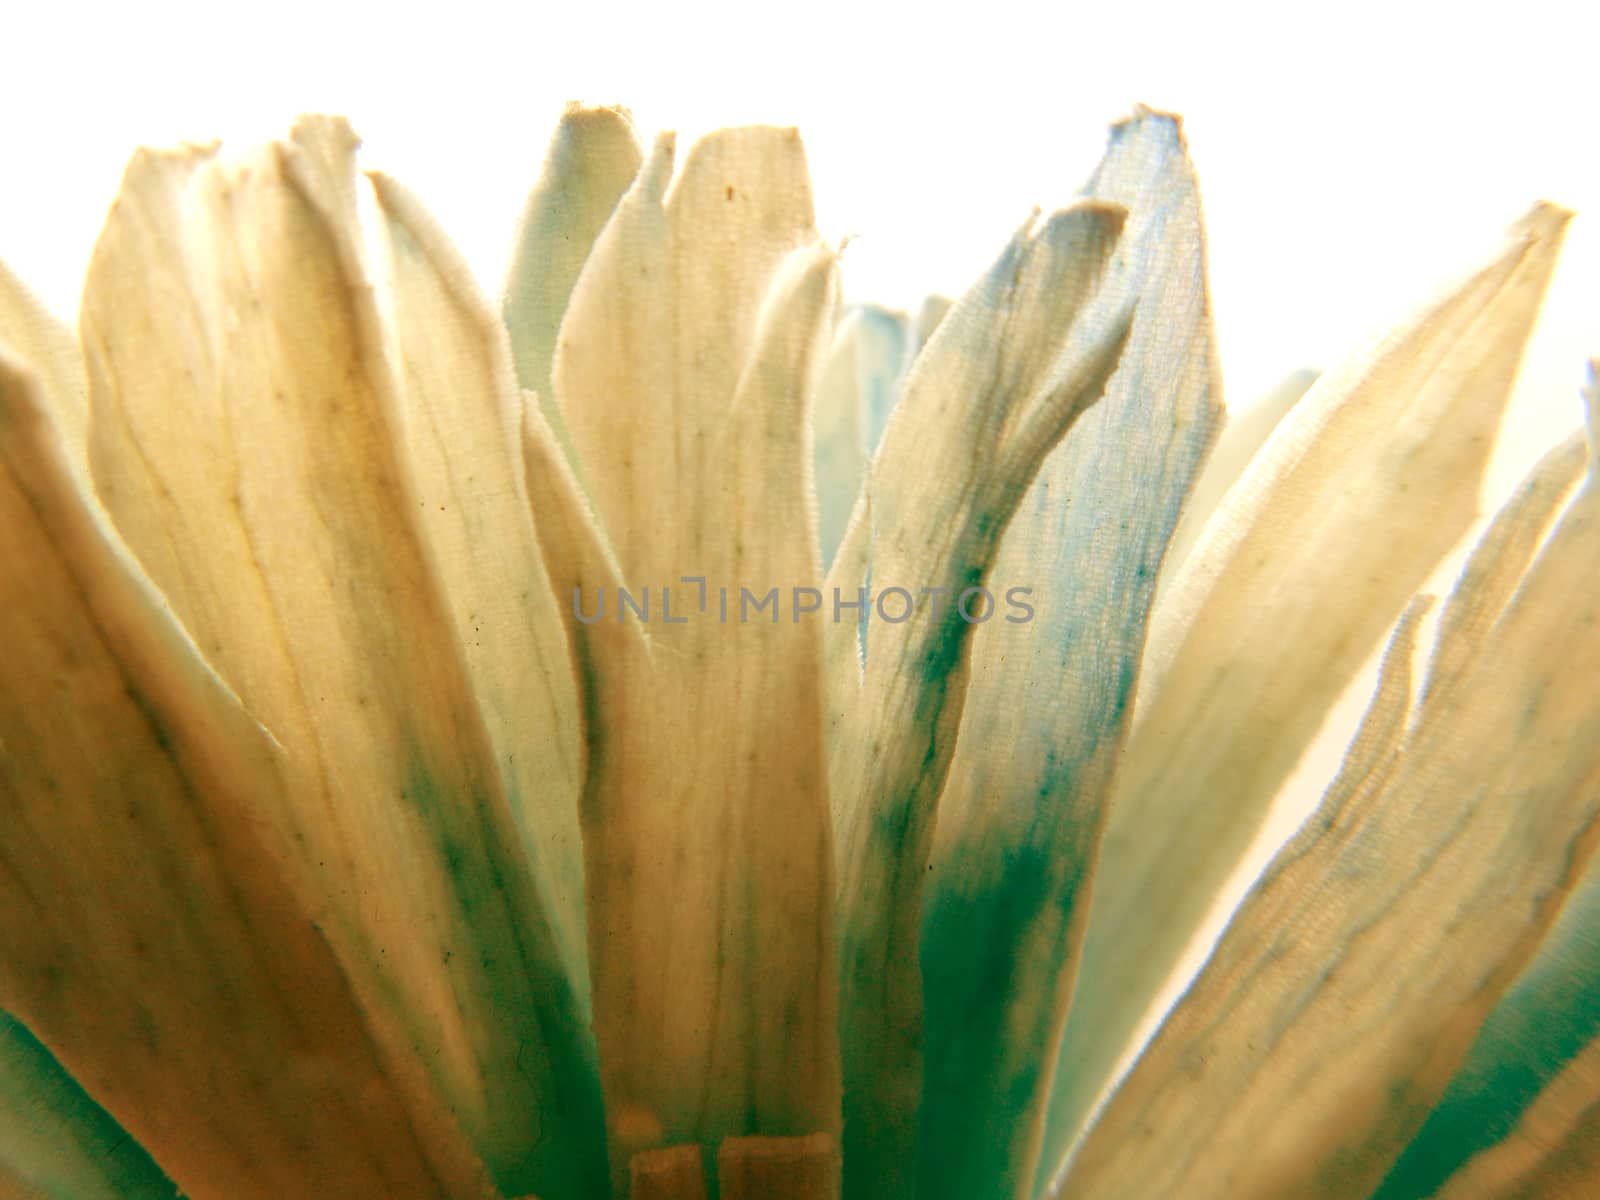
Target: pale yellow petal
(1501,559)
(1353,981)
(858,388)
(593,157)
(1241,437)
(57,1139)
(462,416)
(1348,507)
(248,440)
(158,937)
(687,361)
(33,332)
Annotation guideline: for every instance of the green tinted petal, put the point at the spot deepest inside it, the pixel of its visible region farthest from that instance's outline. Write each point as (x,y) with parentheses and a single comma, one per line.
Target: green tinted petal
(249,439)
(59,1142)
(1281,601)
(1553,1011)
(1353,981)
(593,157)
(1049,699)
(857,390)
(1016,362)
(162,935)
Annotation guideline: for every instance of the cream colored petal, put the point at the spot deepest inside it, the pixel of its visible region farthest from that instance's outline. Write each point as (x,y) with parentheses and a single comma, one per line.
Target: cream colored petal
(841,635)
(1014,364)
(1502,557)
(462,417)
(1353,981)
(1241,437)
(154,939)
(248,438)
(930,313)
(688,356)
(658,332)
(57,1143)
(1350,504)
(32,332)
(859,383)
(590,164)
(1049,698)
(839,440)
(1548,1015)
(1493,1120)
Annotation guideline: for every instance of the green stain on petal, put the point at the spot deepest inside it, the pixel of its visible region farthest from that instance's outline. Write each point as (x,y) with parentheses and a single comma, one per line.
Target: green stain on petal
(56,1139)
(1547,1018)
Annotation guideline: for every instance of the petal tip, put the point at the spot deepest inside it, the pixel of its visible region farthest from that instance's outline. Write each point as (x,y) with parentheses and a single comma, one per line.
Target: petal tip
(1145,117)
(324,128)
(1545,221)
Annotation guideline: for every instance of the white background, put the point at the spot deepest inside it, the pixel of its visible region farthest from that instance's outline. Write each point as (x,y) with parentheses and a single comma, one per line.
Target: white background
(1352,155)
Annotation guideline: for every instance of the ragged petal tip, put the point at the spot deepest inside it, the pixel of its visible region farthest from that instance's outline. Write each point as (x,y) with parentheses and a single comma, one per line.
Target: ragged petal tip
(1145,116)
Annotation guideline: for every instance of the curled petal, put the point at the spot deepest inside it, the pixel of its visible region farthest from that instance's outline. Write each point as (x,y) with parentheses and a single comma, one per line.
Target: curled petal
(1015,363)
(1051,692)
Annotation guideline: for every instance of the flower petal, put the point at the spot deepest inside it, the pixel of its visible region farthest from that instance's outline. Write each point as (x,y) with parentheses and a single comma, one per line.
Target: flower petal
(463,428)
(157,935)
(687,358)
(1554,1151)
(1531,1074)
(1353,981)
(659,330)
(1349,505)
(248,440)
(1547,1016)
(55,1141)
(1237,444)
(858,388)
(671,1173)
(1045,712)
(762,1168)
(591,162)
(33,333)
(1016,362)
(1501,559)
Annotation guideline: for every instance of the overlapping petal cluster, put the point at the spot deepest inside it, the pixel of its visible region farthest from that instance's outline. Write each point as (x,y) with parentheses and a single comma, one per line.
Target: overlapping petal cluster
(346,850)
